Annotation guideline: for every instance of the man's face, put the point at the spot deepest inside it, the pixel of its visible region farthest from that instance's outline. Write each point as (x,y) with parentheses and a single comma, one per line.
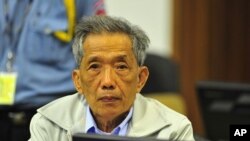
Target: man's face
(109,75)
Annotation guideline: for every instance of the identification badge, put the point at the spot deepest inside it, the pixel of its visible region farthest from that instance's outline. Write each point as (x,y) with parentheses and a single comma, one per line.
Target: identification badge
(7,87)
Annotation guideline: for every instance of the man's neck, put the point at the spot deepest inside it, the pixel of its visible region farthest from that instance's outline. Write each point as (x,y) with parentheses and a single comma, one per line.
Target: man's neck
(107,125)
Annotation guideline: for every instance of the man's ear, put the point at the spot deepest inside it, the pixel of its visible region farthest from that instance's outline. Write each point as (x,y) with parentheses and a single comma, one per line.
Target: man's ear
(143,77)
(77,80)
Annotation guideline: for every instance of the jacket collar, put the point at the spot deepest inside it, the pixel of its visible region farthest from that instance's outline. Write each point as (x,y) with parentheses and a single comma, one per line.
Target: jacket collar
(69,113)
(144,118)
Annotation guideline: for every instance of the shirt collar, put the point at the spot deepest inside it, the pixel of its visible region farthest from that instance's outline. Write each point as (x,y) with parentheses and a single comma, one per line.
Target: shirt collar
(121,129)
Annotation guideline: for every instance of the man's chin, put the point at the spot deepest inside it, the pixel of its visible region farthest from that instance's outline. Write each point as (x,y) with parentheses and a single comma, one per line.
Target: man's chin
(111,113)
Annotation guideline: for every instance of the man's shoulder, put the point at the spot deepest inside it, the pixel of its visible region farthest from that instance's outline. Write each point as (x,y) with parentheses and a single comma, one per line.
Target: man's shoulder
(69,99)
(64,111)
(161,110)
(152,117)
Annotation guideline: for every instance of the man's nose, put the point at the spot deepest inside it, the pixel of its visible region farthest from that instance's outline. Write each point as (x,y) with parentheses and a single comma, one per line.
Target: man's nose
(108,82)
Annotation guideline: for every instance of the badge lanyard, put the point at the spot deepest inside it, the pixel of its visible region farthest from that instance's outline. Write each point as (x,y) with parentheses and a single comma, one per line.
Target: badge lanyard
(8,31)
(8,78)
(12,41)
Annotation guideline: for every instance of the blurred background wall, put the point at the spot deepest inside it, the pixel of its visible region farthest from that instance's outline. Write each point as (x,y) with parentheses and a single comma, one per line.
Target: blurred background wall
(153,16)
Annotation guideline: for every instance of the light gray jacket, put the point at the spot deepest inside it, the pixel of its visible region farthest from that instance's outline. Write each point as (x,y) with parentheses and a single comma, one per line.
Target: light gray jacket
(60,119)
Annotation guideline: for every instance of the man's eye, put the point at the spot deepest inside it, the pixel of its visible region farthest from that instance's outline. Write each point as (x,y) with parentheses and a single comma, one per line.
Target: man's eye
(122,67)
(94,66)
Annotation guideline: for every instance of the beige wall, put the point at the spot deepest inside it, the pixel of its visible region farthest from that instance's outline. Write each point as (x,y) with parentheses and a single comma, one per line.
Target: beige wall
(154,16)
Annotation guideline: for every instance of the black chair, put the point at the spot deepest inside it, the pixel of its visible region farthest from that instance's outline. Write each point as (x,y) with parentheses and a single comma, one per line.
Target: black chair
(164,75)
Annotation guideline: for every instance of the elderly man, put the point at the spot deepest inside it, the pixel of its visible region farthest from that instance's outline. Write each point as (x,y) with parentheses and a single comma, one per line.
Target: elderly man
(110,53)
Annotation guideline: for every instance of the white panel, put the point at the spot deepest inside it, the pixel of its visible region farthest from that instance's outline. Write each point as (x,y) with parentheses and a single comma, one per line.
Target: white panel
(153,16)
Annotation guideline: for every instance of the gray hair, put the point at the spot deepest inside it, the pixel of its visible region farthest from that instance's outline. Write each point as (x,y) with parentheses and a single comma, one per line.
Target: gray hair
(100,24)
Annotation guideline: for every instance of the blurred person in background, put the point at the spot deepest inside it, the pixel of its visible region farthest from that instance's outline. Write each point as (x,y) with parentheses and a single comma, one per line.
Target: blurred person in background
(35,51)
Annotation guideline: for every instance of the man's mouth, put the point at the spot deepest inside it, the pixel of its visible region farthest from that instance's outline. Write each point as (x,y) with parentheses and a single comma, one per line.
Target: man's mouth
(109,99)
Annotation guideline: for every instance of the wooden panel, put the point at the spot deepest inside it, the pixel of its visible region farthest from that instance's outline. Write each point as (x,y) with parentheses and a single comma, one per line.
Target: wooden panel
(211,42)
(189,42)
(218,48)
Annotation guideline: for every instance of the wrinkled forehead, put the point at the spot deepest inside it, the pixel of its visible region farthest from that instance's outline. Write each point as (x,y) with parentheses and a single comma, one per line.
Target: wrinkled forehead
(106,40)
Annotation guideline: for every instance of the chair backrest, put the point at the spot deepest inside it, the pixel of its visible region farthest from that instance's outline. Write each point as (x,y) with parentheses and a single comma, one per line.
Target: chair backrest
(163,75)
